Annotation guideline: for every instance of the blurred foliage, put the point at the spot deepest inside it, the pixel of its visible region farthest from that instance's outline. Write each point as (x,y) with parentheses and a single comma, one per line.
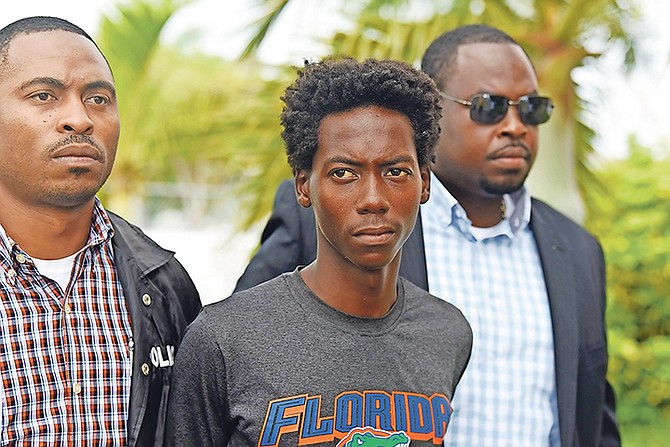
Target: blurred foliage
(632,220)
(655,434)
(263,25)
(187,117)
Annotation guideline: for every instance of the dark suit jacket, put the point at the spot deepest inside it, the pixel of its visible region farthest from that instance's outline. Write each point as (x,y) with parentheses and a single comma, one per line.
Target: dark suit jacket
(574,272)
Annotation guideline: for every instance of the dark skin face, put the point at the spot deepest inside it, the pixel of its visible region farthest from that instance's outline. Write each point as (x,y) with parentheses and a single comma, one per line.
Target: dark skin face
(478,163)
(60,128)
(365,187)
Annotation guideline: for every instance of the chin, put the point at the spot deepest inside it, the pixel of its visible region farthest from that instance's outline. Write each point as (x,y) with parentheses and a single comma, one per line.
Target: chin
(498,189)
(372,265)
(70,199)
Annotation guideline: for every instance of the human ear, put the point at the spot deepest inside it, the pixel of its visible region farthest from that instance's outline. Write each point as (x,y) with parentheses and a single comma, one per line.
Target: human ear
(301,180)
(425,183)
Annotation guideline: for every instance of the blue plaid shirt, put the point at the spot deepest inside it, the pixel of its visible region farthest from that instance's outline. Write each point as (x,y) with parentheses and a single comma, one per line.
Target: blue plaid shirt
(507,396)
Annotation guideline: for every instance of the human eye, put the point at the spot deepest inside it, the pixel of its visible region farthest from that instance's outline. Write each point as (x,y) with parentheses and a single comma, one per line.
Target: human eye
(98,100)
(342,173)
(398,172)
(42,96)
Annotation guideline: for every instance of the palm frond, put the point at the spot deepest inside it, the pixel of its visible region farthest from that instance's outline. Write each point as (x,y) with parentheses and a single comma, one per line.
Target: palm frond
(263,26)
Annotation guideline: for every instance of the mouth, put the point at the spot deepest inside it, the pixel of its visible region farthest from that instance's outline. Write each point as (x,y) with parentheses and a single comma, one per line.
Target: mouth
(511,157)
(374,235)
(77,154)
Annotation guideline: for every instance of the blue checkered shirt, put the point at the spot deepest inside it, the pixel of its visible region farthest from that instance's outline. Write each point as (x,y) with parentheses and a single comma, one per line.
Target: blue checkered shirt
(65,363)
(507,396)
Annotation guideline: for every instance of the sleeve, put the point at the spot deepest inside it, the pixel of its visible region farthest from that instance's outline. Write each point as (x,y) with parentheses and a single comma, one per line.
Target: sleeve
(197,413)
(288,240)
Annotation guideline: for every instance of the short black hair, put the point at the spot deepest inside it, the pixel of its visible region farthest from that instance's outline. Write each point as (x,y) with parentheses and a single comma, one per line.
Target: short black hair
(38,24)
(340,84)
(439,60)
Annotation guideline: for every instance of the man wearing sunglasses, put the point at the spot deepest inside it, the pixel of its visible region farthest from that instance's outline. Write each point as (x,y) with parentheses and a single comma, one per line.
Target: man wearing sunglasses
(530,281)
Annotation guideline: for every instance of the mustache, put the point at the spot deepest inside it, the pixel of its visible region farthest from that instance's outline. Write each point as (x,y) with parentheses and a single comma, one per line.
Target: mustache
(74,139)
(507,147)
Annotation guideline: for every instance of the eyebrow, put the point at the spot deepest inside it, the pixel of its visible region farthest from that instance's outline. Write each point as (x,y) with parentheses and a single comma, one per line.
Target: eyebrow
(102,84)
(398,159)
(57,83)
(53,82)
(391,162)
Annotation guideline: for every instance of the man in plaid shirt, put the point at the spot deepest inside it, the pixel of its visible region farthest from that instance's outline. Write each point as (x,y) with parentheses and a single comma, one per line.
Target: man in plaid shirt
(91,311)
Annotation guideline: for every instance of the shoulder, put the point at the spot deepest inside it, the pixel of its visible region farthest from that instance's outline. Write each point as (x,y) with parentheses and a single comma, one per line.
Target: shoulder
(545,218)
(415,293)
(133,246)
(247,316)
(285,200)
(440,325)
(543,213)
(132,236)
(433,308)
(260,302)
(137,256)
(285,191)
(286,206)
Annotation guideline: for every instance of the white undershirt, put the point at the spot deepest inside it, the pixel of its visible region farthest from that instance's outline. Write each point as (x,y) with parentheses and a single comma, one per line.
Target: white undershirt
(57,269)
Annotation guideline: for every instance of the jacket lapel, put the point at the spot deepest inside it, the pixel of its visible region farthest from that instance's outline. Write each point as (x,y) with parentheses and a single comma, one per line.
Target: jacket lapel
(558,277)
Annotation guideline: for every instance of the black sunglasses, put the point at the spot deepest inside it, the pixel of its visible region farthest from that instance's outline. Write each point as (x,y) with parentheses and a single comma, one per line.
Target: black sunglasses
(490,109)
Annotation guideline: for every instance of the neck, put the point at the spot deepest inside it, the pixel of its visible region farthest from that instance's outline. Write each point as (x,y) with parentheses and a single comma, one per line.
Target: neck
(47,233)
(484,212)
(352,290)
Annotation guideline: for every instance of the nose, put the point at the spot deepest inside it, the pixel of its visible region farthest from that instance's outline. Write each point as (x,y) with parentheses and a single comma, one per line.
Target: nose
(74,118)
(372,197)
(511,126)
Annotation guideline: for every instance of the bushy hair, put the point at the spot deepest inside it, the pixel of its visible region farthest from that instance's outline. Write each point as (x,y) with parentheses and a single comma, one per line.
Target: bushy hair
(439,60)
(37,24)
(341,84)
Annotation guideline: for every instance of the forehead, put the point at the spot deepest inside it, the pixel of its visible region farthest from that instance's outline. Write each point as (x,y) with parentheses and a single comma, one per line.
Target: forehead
(58,54)
(493,67)
(366,132)
(363,121)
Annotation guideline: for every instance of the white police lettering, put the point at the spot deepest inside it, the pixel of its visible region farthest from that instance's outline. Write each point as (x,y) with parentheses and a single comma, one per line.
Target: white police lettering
(159,359)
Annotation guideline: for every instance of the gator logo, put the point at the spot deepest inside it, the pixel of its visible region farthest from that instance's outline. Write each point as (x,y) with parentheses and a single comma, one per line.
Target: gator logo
(369,437)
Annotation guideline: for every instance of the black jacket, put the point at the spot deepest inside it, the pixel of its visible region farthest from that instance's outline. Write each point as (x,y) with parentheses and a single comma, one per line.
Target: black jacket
(574,272)
(162,301)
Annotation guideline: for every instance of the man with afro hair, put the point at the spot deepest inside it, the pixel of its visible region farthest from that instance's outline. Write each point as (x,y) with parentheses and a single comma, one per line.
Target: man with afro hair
(341,351)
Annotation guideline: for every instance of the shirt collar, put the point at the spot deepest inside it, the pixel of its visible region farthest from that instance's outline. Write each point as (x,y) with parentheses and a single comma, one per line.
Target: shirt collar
(444,207)
(518,208)
(6,243)
(102,230)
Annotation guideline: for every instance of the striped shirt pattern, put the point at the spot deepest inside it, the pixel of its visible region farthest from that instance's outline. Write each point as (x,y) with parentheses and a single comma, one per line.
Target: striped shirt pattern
(64,358)
(507,396)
